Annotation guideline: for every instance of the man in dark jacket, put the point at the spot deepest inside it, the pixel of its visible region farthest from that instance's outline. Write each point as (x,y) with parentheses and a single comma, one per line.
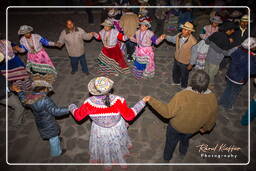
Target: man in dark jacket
(241,33)
(237,74)
(219,46)
(44,110)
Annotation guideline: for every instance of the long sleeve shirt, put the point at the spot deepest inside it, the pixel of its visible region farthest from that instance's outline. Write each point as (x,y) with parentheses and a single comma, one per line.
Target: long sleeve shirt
(110,38)
(74,41)
(107,116)
(145,38)
(189,111)
(34,44)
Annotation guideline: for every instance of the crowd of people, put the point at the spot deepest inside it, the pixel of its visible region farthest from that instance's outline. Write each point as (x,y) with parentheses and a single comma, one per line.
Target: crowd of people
(127,37)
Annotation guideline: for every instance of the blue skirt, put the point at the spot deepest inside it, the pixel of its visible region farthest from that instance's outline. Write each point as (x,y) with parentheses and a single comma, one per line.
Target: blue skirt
(139,66)
(13,63)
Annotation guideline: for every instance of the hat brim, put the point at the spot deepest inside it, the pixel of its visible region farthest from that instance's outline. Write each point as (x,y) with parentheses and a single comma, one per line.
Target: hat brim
(147,24)
(92,89)
(44,84)
(216,21)
(105,24)
(190,29)
(22,32)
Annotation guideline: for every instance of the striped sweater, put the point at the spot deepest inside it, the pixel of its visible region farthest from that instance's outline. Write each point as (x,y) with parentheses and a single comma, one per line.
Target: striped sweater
(107,116)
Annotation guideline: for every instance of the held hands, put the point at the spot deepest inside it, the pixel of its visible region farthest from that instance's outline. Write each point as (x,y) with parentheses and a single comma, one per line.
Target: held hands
(72,107)
(202,130)
(163,36)
(189,67)
(16,48)
(57,44)
(146,99)
(15,88)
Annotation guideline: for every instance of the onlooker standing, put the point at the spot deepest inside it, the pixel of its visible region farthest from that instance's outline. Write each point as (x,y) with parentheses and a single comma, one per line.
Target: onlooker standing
(190,111)
(129,23)
(237,74)
(73,37)
(241,33)
(184,42)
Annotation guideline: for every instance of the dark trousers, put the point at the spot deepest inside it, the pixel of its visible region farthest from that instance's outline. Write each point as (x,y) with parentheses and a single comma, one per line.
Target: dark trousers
(230,94)
(180,74)
(172,139)
(130,46)
(74,63)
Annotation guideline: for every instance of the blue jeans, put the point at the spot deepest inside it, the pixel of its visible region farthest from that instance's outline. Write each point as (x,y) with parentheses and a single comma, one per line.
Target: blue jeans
(55,146)
(172,139)
(230,94)
(74,63)
(180,74)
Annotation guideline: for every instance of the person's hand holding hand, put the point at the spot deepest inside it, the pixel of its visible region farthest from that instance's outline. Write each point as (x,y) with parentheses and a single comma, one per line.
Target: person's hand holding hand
(146,99)
(189,67)
(15,88)
(72,107)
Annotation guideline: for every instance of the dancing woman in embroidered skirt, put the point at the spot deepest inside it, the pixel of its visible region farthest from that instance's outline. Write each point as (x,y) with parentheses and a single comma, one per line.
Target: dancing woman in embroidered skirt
(38,60)
(12,67)
(111,59)
(109,140)
(15,67)
(144,64)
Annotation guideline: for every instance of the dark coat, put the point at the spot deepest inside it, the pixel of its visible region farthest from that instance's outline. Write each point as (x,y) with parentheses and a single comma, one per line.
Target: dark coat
(221,39)
(45,110)
(238,38)
(238,69)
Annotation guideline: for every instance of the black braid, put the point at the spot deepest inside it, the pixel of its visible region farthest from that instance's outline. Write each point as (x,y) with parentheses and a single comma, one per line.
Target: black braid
(107,100)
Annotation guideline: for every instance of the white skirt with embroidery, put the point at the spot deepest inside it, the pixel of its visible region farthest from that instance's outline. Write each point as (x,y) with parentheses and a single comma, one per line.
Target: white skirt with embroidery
(109,145)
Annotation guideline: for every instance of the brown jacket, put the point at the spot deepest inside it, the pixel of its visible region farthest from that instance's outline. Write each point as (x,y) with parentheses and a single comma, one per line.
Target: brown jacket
(189,111)
(129,22)
(183,53)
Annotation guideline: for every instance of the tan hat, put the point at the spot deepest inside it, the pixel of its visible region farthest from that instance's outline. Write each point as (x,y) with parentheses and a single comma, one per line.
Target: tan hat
(112,12)
(25,29)
(245,18)
(188,26)
(43,83)
(107,22)
(100,86)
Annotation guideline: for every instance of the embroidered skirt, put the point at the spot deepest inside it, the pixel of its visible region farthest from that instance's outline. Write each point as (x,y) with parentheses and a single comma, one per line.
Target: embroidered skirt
(144,64)
(109,145)
(200,62)
(40,62)
(111,61)
(15,68)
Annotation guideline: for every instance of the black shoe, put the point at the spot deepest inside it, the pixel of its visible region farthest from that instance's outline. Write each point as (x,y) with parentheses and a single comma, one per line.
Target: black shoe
(72,72)
(63,151)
